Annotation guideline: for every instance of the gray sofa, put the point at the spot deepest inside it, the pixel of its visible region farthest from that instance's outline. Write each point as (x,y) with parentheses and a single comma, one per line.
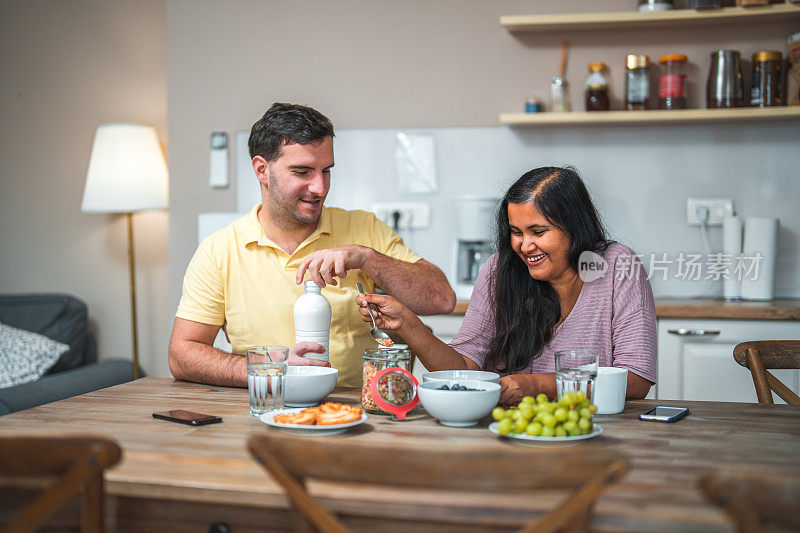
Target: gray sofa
(62,318)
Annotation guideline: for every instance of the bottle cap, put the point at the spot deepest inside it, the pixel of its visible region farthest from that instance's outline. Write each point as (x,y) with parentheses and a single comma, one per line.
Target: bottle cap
(637,61)
(311,286)
(681,58)
(767,55)
(594,67)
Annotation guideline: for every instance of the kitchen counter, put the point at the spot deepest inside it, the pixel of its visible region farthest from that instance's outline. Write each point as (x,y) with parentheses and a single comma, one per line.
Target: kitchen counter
(712,308)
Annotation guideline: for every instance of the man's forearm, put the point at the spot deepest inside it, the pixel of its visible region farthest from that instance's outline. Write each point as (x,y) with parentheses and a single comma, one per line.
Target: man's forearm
(201,363)
(420,286)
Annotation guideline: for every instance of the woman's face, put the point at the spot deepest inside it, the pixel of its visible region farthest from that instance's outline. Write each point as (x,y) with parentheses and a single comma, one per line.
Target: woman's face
(542,246)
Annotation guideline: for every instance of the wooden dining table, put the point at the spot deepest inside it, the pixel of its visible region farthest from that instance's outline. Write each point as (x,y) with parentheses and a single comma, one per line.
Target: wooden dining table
(176,477)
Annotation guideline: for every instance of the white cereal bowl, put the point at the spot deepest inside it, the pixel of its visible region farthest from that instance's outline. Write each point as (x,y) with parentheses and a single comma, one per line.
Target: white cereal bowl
(447,375)
(459,408)
(306,386)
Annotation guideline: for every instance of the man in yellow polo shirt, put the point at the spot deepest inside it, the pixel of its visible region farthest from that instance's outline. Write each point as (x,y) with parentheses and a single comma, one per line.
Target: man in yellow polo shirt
(246,277)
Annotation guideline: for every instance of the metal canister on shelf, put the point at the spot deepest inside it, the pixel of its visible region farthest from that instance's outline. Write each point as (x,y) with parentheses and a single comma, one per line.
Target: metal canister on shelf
(637,82)
(655,5)
(725,86)
(376,360)
(672,82)
(766,79)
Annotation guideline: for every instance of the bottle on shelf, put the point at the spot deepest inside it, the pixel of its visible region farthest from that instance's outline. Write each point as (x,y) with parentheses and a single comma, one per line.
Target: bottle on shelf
(312,319)
(637,82)
(596,88)
(672,82)
(558,101)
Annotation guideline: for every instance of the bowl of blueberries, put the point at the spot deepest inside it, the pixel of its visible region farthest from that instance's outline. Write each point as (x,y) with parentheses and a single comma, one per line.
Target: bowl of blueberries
(458,402)
(449,375)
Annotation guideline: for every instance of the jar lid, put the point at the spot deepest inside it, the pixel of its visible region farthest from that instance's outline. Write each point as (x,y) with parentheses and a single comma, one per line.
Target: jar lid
(594,67)
(637,61)
(395,391)
(793,37)
(681,58)
(384,354)
(767,55)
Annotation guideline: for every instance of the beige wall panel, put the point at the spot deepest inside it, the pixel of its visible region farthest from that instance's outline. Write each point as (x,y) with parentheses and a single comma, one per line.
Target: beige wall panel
(65,68)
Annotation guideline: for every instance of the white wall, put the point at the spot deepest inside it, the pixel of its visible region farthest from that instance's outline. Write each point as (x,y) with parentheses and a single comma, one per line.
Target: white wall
(639,176)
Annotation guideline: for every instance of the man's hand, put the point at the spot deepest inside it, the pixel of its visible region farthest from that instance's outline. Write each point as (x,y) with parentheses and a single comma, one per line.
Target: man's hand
(296,354)
(325,265)
(514,387)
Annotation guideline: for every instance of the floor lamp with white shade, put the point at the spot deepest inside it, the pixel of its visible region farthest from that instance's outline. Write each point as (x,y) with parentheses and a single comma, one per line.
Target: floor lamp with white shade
(127,173)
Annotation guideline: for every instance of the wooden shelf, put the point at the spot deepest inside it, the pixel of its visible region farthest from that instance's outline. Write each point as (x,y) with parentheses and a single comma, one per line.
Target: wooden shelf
(637,19)
(650,117)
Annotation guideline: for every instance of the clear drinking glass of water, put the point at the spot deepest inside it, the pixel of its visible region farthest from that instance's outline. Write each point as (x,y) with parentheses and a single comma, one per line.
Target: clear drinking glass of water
(576,370)
(266,369)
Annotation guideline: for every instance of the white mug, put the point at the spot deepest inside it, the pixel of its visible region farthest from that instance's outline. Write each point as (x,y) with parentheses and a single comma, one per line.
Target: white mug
(610,388)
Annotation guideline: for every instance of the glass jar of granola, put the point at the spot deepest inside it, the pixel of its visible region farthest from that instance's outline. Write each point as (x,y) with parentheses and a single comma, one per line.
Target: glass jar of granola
(376,360)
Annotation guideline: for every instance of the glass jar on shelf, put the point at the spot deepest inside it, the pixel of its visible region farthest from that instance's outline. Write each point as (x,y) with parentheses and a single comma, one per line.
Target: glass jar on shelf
(766,79)
(637,82)
(672,82)
(596,88)
(375,360)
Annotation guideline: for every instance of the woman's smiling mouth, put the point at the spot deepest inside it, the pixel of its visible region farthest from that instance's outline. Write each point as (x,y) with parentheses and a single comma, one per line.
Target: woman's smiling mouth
(533,260)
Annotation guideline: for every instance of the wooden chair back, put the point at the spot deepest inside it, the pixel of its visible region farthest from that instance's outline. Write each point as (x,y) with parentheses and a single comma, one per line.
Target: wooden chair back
(585,473)
(759,357)
(76,463)
(756,501)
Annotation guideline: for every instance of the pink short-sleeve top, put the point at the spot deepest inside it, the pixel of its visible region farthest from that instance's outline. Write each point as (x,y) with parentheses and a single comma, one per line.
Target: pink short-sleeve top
(614,315)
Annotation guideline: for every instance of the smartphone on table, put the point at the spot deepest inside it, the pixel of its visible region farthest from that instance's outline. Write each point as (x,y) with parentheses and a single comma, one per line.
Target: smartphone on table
(188,417)
(663,413)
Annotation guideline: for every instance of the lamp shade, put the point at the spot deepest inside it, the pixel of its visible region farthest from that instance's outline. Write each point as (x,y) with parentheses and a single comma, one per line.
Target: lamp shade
(127,171)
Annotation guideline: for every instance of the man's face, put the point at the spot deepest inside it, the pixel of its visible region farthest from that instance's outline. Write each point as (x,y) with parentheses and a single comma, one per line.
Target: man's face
(298,182)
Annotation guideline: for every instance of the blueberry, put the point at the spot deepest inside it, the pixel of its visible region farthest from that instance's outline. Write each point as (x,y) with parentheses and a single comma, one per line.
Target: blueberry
(444,387)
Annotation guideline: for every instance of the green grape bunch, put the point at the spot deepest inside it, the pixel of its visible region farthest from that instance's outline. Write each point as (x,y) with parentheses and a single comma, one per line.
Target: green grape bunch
(569,416)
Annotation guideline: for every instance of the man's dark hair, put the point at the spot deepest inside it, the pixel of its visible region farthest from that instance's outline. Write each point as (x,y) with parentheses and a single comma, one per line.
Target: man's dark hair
(287,124)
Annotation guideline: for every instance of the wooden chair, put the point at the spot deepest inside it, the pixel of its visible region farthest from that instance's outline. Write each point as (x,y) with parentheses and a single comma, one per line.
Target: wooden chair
(759,356)
(755,501)
(584,471)
(77,463)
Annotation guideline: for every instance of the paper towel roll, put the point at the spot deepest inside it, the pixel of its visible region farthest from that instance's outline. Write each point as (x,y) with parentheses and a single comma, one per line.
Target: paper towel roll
(732,246)
(760,237)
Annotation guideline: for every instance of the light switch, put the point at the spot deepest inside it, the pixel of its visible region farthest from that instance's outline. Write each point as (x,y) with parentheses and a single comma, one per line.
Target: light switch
(218,162)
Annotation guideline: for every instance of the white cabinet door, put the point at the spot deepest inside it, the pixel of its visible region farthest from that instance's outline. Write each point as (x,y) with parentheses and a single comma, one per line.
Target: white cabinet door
(695,358)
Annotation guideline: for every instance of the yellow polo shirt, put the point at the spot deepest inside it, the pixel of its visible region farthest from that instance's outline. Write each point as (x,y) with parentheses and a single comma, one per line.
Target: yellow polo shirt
(244,282)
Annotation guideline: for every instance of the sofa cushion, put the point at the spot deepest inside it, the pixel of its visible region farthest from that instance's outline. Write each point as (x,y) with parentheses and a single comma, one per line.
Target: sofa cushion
(26,356)
(60,317)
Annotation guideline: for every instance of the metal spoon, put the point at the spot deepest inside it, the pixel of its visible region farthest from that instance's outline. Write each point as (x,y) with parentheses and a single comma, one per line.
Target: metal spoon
(378,334)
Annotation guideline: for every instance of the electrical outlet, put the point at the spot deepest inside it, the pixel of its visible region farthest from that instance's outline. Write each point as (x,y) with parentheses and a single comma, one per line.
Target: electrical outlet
(412,215)
(718,208)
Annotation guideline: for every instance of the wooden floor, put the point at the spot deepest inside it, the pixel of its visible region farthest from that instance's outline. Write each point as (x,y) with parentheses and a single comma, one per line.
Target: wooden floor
(176,477)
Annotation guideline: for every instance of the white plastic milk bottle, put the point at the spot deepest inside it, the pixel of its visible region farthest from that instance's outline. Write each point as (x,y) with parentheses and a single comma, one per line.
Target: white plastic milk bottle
(312,319)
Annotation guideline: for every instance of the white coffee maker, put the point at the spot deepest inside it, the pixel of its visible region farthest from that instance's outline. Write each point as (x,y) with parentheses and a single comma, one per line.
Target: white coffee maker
(474,226)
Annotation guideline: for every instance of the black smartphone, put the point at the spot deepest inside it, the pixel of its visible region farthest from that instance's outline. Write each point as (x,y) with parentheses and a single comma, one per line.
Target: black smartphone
(662,413)
(188,417)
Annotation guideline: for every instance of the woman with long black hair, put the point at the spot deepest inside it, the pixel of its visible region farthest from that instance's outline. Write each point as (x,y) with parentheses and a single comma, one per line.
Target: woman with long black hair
(555,283)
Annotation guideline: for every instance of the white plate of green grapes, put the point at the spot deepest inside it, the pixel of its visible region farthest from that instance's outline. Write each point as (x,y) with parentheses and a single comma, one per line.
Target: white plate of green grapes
(567,419)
